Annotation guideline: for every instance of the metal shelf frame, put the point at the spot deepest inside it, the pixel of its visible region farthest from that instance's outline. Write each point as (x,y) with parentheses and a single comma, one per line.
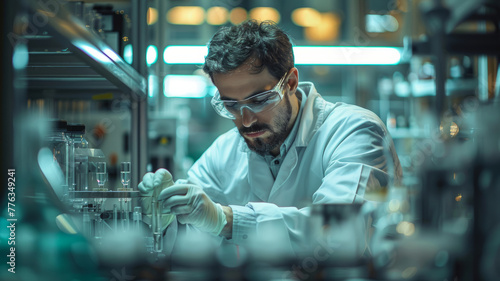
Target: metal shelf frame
(67,60)
(87,47)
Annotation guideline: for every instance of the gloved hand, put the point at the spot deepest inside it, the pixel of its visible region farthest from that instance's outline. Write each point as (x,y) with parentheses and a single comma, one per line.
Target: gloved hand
(149,188)
(192,205)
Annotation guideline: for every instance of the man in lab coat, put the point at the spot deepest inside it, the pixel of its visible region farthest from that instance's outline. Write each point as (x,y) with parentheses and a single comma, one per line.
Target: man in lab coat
(290,148)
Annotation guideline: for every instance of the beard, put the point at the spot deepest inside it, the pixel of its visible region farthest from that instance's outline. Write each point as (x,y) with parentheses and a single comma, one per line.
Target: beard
(278,134)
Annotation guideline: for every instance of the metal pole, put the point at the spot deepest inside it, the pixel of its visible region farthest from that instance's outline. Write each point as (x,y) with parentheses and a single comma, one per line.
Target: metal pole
(139,129)
(436,16)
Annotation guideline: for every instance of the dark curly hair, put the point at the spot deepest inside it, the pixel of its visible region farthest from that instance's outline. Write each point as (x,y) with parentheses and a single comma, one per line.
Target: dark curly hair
(231,46)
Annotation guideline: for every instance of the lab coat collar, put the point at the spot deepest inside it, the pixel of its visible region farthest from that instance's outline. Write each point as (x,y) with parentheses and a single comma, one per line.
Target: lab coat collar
(313,114)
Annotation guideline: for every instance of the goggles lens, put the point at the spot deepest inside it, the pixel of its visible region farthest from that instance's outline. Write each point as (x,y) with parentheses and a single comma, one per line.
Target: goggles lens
(261,102)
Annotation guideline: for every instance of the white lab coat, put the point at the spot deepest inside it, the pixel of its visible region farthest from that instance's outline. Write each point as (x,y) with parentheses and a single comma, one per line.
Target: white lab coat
(337,156)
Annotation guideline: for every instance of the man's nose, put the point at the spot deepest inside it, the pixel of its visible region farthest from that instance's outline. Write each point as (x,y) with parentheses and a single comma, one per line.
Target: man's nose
(248,117)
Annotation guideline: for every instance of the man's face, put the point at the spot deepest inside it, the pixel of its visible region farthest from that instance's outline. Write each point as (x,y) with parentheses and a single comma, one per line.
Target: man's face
(263,132)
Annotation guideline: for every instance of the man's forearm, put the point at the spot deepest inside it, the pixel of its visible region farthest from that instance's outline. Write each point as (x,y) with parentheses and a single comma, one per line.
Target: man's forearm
(227,231)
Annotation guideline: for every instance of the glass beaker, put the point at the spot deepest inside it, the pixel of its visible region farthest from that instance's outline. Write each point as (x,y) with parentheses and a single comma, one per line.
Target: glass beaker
(101,175)
(125,174)
(102,178)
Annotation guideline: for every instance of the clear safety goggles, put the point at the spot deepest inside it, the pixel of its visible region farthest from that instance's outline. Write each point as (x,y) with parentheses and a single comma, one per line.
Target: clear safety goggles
(259,103)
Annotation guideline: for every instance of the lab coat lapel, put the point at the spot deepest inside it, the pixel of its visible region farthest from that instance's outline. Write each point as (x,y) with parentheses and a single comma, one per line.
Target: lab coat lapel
(286,172)
(259,176)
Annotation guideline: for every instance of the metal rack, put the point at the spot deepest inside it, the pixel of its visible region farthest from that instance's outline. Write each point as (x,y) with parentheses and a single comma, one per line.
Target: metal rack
(47,53)
(76,47)
(70,61)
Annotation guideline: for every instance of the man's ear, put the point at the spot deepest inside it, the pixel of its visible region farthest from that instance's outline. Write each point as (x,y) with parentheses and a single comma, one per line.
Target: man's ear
(293,80)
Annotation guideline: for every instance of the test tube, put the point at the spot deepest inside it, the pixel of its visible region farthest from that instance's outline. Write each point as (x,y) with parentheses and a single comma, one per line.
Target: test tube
(125,179)
(125,174)
(115,218)
(102,177)
(124,220)
(101,174)
(138,220)
(99,227)
(156,225)
(128,219)
(86,222)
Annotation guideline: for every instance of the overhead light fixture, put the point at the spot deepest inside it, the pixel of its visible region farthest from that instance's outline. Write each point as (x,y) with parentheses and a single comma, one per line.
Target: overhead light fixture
(265,13)
(185,54)
(326,30)
(20,58)
(318,55)
(152,85)
(306,17)
(186,15)
(128,53)
(238,15)
(184,86)
(381,23)
(152,16)
(151,55)
(217,15)
(304,55)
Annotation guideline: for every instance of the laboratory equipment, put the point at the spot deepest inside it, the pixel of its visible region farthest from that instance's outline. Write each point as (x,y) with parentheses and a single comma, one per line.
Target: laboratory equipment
(101,175)
(125,174)
(59,143)
(156,223)
(115,217)
(125,203)
(80,165)
(138,219)
(99,227)
(156,219)
(87,225)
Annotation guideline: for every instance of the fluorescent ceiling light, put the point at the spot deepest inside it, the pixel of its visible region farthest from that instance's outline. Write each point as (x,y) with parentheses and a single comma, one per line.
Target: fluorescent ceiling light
(152,85)
(185,86)
(20,58)
(185,54)
(347,55)
(186,15)
(151,54)
(128,53)
(381,23)
(304,55)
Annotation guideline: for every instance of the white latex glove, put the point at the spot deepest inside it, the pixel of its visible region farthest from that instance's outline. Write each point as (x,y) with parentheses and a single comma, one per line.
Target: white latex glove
(158,181)
(149,188)
(151,185)
(192,205)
